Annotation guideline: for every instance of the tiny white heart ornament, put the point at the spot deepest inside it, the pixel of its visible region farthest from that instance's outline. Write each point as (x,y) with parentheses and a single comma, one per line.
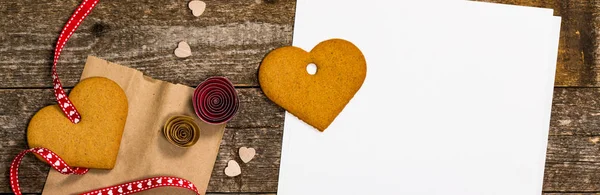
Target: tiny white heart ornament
(139,185)
(99,193)
(129,187)
(197,7)
(49,156)
(57,163)
(183,50)
(180,182)
(149,183)
(246,154)
(159,181)
(64,170)
(60,96)
(110,192)
(170,181)
(120,190)
(233,169)
(66,105)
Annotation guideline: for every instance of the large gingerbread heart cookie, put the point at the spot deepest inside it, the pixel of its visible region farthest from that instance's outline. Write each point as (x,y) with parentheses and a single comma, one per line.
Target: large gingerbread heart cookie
(316,99)
(92,143)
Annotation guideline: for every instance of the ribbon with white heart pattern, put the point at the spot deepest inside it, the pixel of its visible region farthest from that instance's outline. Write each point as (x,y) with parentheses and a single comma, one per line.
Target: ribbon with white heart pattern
(59,93)
(145,184)
(73,115)
(126,188)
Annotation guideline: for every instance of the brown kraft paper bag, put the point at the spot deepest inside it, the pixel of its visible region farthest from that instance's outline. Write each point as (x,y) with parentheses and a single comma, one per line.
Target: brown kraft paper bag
(144,151)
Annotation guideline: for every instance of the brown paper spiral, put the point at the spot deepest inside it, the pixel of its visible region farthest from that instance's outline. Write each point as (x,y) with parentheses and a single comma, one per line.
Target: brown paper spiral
(182,131)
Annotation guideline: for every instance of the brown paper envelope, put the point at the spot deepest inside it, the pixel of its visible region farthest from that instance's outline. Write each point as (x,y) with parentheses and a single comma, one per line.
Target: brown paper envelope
(144,151)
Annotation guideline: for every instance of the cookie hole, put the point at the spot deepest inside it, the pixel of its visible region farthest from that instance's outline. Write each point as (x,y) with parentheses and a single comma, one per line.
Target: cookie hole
(311,69)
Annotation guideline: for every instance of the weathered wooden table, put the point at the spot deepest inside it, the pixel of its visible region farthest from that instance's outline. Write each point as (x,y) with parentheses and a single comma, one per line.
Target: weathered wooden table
(230,39)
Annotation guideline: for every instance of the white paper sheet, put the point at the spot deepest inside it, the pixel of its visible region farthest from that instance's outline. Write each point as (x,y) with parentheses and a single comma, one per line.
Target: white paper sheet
(457,100)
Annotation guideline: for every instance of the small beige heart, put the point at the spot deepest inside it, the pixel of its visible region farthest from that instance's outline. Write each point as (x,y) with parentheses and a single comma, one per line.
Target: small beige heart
(197,7)
(233,169)
(183,50)
(246,154)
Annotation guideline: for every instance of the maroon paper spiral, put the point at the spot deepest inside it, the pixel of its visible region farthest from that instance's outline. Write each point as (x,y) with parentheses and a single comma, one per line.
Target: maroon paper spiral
(215,100)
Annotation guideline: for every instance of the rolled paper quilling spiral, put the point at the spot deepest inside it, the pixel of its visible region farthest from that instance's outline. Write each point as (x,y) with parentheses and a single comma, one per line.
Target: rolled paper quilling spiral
(215,100)
(182,131)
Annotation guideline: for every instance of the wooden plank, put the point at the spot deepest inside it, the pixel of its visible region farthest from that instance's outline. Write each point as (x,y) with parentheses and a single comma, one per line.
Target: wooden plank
(229,39)
(579,49)
(259,175)
(576,111)
(573,160)
(259,124)
(570,193)
(573,155)
(572,164)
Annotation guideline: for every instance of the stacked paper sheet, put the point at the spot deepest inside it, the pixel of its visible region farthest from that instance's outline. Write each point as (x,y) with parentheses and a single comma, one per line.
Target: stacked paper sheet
(457,100)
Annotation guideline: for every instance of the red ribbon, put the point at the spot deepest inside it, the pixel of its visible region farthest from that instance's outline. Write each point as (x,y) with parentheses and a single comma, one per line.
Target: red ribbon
(71,112)
(63,100)
(127,188)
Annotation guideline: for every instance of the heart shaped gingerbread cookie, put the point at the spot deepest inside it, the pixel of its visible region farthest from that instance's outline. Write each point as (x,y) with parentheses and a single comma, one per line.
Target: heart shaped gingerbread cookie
(316,99)
(92,143)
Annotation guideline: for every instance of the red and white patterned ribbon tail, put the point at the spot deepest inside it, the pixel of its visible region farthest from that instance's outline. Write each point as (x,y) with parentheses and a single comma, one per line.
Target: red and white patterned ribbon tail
(59,93)
(51,158)
(127,188)
(145,184)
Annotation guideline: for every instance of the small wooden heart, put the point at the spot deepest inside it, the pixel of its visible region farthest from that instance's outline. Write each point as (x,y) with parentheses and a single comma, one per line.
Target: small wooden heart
(316,99)
(183,50)
(246,154)
(92,143)
(197,7)
(233,169)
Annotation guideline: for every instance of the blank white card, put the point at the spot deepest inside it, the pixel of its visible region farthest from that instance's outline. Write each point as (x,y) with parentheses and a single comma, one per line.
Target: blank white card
(457,100)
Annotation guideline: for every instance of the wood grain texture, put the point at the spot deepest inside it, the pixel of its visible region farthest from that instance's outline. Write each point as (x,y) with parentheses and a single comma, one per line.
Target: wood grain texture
(578,61)
(229,36)
(573,155)
(229,39)
(259,124)
(573,160)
